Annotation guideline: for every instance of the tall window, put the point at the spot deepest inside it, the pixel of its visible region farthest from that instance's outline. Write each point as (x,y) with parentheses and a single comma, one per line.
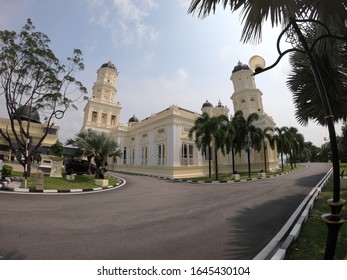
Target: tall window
(113,120)
(125,156)
(161,154)
(187,154)
(144,155)
(94,116)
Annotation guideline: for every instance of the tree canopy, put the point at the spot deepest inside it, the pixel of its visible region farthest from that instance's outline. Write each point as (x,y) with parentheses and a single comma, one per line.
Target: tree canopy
(96,145)
(32,78)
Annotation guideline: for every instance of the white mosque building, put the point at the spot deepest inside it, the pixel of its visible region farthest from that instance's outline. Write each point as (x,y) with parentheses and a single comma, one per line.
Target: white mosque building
(159,145)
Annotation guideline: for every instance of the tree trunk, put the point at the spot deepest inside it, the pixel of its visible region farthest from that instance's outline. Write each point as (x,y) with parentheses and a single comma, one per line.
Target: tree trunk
(216,163)
(97,172)
(249,162)
(233,159)
(89,158)
(291,160)
(209,162)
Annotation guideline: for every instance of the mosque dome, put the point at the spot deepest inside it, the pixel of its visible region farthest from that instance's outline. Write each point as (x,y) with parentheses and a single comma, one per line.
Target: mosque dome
(240,66)
(109,65)
(24,114)
(207,104)
(133,119)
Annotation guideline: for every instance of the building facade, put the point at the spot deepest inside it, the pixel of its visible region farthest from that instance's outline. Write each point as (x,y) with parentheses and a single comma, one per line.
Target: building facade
(159,145)
(36,128)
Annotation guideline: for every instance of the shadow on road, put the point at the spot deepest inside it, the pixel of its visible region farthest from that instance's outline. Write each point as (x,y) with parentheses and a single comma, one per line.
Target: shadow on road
(12,255)
(305,181)
(249,234)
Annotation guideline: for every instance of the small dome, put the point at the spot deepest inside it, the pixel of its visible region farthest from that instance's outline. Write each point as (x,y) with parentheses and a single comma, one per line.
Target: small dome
(207,104)
(133,119)
(240,66)
(220,104)
(109,65)
(24,114)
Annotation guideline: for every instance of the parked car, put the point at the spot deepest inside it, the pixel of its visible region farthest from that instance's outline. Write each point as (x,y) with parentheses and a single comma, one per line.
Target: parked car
(78,166)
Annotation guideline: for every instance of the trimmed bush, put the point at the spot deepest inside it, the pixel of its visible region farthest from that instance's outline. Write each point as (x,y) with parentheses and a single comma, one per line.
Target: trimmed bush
(6,171)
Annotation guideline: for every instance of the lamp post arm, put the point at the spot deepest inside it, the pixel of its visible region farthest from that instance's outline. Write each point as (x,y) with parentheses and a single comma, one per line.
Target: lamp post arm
(327,109)
(281,54)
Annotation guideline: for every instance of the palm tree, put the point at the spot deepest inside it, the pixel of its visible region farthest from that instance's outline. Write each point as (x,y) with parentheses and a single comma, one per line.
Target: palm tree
(234,136)
(96,145)
(80,141)
(255,13)
(279,138)
(330,58)
(296,144)
(210,132)
(253,137)
(266,137)
(203,137)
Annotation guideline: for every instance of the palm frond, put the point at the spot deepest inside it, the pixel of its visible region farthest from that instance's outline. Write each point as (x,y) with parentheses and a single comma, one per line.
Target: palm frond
(254,12)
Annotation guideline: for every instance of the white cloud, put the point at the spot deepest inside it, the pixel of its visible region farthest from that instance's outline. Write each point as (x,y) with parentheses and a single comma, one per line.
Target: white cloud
(125,20)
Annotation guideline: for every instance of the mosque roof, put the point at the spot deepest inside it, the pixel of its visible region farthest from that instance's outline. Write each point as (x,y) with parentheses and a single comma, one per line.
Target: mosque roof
(25,114)
(133,119)
(207,104)
(109,65)
(240,66)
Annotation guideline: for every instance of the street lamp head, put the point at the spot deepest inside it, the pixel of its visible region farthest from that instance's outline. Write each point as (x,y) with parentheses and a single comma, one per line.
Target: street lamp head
(256,63)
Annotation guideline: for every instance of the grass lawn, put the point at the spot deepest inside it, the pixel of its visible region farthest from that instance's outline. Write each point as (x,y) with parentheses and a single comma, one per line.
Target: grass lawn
(244,175)
(310,244)
(50,183)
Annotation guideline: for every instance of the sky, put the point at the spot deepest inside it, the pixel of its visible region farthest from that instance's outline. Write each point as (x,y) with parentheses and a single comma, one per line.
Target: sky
(164,55)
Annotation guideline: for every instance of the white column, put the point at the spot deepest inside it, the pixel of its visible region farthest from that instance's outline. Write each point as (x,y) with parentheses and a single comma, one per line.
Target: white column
(152,151)
(173,145)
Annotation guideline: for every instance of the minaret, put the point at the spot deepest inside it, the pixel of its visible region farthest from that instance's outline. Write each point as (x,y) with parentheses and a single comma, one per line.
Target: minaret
(248,99)
(102,111)
(246,96)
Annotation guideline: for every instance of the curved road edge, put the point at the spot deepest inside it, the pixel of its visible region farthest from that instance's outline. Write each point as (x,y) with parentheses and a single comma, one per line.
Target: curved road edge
(17,190)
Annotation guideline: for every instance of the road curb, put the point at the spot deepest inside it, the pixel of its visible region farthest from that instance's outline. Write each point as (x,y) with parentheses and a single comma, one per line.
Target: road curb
(209,181)
(6,188)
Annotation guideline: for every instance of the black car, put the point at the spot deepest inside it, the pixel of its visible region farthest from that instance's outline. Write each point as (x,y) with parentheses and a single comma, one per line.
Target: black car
(78,166)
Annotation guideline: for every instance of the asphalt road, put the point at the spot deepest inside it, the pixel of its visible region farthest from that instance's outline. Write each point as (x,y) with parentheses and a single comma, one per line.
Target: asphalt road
(157,219)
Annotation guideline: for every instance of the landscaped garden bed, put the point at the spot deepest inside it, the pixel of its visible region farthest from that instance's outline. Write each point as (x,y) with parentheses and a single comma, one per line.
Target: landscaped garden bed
(53,183)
